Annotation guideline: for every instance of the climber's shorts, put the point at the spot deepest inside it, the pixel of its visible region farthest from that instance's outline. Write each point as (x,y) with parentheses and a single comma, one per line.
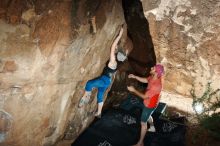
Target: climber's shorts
(134,101)
(146,113)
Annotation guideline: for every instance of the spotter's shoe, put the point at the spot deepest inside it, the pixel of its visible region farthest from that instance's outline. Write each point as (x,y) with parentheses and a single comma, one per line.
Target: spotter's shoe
(152,129)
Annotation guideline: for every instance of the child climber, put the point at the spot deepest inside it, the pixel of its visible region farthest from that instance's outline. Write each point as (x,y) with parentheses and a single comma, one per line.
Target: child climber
(104,81)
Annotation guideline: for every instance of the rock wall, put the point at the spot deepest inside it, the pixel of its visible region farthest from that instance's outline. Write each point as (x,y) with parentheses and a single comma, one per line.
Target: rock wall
(186,39)
(47,54)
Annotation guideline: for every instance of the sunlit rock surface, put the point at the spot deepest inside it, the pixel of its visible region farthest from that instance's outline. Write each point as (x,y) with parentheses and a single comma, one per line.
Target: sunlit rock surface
(186,38)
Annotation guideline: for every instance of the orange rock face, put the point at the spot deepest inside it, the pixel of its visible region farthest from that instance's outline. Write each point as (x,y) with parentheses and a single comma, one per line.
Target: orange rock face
(185,38)
(10,66)
(44,65)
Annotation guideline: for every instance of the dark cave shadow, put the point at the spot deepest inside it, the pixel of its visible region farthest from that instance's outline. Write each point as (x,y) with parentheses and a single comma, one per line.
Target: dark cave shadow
(143,55)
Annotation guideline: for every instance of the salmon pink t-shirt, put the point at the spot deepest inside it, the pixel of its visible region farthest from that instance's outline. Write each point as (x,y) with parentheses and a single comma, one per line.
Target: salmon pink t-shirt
(153,92)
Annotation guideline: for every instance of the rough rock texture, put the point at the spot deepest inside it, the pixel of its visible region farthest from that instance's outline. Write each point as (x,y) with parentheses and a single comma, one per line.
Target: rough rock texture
(47,53)
(186,38)
(44,65)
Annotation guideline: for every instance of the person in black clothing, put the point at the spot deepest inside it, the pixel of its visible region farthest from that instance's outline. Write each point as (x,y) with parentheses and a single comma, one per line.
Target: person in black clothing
(104,81)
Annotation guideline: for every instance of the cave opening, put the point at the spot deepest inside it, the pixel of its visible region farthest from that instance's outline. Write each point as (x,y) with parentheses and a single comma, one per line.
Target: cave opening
(143,55)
